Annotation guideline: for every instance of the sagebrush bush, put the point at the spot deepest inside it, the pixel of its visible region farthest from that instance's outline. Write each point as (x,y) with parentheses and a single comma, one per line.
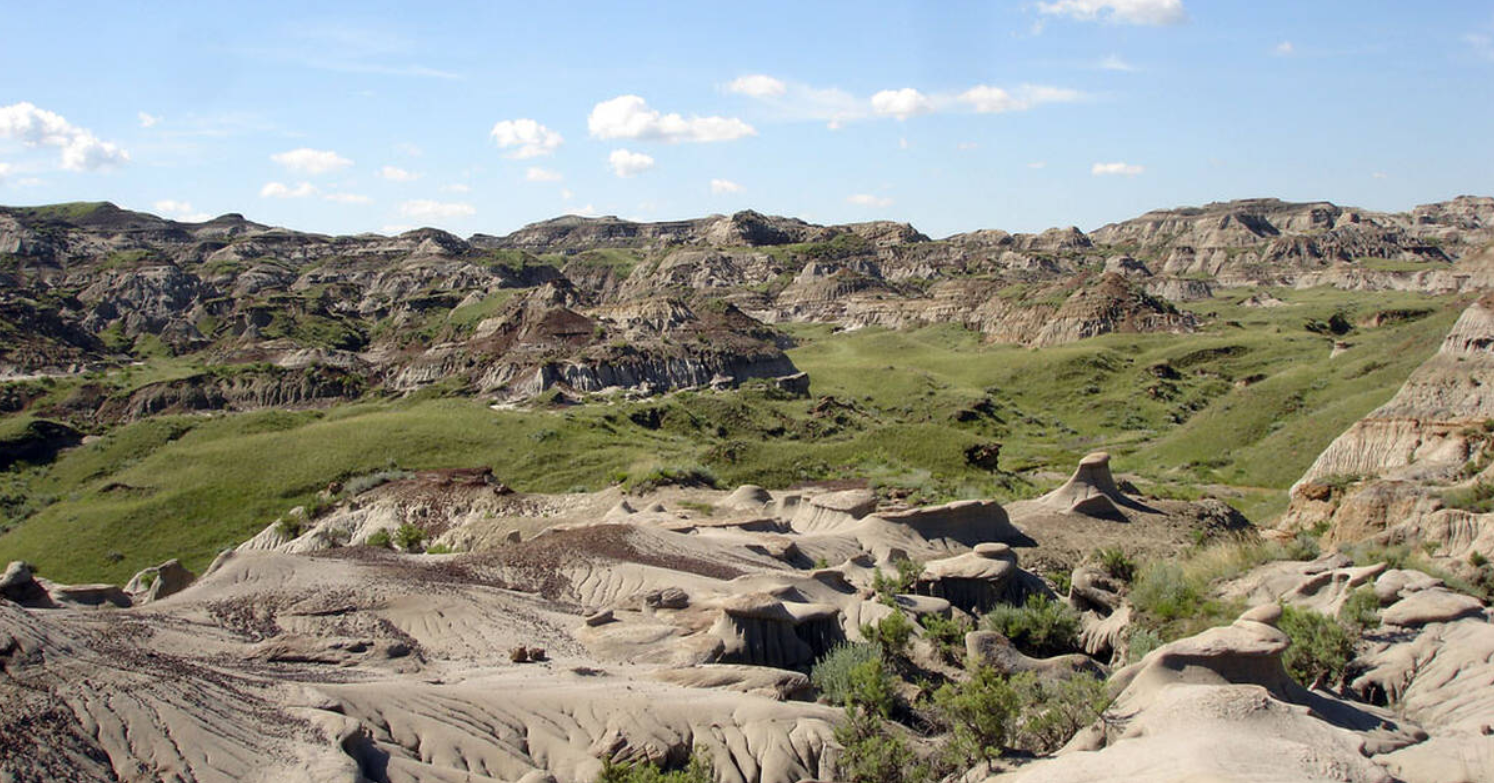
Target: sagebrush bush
(357,485)
(831,674)
(1041,627)
(870,750)
(1321,647)
(886,587)
(1055,709)
(380,539)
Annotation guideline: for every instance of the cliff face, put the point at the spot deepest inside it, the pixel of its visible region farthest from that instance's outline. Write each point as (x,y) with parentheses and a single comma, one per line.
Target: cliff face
(1389,472)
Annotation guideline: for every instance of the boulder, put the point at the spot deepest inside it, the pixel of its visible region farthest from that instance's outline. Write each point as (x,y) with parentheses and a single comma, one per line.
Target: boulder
(157,582)
(19,585)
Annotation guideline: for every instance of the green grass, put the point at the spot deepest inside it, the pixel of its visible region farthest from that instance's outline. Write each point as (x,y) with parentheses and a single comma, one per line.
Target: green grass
(911,404)
(468,316)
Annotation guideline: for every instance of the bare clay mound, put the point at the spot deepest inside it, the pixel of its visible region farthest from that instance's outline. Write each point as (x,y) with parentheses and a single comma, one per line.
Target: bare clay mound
(588,627)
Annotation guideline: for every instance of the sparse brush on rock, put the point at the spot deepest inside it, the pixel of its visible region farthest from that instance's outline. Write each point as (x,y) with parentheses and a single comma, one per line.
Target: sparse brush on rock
(1361,610)
(698,770)
(886,587)
(1041,627)
(1140,642)
(989,714)
(379,538)
(890,634)
(872,751)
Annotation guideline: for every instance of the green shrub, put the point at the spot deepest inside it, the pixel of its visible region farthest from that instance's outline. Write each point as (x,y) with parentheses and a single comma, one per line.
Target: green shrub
(1062,581)
(1116,563)
(380,539)
(1478,559)
(832,672)
(989,714)
(1054,710)
(947,634)
(886,587)
(1303,547)
(409,537)
(980,714)
(1321,647)
(1141,642)
(870,751)
(439,549)
(1041,627)
(1361,609)
(697,771)
(890,634)
(288,528)
(1478,498)
(1165,591)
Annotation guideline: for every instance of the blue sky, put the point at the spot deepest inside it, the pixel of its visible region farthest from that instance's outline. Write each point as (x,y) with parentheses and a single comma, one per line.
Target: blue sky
(347,117)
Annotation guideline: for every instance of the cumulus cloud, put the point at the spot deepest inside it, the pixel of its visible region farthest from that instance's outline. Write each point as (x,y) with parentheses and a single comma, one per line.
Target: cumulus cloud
(719,186)
(1152,12)
(902,104)
(537,174)
(868,200)
(1284,49)
(347,198)
(1114,63)
(426,209)
(180,210)
(147,120)
(626,164)
(309,161)
(397,174)
(986,99)
(629,117)
(528,138)
(280,190)
(1117,168)
(586,211)
(758,86)
(81,150)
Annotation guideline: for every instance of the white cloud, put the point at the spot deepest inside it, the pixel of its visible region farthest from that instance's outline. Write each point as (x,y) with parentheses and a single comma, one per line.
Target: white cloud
(586,211)
(396,229)
(347,198)
(757,86)
(868,200)
(81,150)
(457,187)
(180,210)
(1378,175)
(4,169)
(397,174)
(566,194)
(537,174)
(1156,12)
(629,117)
(902,143)
(725,186)
(626,164)
(1114,63)
(309,161)
(426,208)
(147,120)
(967,145)
(1118,168)
(407,148)
(1038,164)
(1284,49)
(901,104)
(279,190)
(986,99)
(28,182)
(530,138)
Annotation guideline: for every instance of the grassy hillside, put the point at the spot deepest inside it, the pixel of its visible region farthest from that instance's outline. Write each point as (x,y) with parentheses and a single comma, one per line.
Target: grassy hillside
(1240,409)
